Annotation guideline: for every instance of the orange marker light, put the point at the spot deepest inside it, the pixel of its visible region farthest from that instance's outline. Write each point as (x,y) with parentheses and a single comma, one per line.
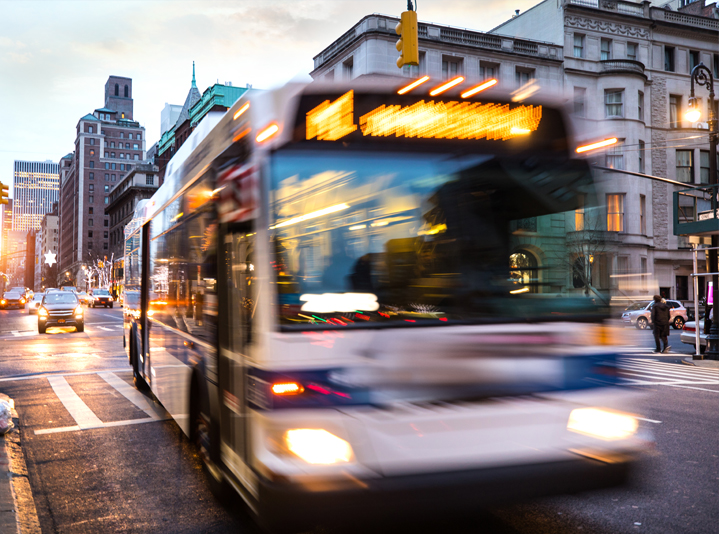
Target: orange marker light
(242,110)
(442,88)
(594,146)
(478,88)
(268,132)
(287,388)
(416,83)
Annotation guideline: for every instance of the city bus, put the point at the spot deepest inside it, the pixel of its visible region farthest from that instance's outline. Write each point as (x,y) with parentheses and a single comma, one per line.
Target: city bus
(357,300)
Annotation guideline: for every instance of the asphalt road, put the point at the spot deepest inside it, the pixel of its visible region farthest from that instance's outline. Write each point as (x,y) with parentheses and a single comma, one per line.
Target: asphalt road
(121,466)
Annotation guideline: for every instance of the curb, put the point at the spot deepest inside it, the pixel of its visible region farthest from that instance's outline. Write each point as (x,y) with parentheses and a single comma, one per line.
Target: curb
(17,506)
(688,362)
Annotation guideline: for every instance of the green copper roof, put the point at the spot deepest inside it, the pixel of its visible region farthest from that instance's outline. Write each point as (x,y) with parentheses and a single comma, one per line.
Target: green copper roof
(215,95)
(166,141)
(105,110)
(89,117)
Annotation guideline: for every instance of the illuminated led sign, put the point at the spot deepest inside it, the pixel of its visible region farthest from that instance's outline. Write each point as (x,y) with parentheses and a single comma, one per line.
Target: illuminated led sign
(332,120)
(426,119)
(452,120)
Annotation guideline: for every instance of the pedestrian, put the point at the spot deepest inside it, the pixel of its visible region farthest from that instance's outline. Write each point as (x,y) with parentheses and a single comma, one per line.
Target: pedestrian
(660,321)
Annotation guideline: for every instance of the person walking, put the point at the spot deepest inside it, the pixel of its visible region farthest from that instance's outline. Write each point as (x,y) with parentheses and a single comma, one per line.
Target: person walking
(660,321)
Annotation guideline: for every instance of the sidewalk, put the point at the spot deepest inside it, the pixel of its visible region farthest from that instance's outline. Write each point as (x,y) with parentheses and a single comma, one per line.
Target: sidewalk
(711,364)
(17,508)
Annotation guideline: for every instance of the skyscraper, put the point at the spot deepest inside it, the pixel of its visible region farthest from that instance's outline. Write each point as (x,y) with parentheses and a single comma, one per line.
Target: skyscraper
(36,187)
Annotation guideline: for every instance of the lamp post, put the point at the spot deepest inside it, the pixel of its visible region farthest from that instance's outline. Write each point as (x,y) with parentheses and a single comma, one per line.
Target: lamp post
(702,75)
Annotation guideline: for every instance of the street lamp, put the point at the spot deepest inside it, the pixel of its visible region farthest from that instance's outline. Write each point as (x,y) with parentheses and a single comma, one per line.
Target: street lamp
(702,75)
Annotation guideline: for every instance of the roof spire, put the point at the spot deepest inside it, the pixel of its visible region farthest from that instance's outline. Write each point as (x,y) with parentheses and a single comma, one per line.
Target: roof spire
(193,75)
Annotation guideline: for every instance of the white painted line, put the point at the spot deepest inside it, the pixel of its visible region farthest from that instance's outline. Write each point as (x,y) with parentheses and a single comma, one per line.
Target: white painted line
(648,420)
(104,425)
(130,393)
(105,328)
(80,412)
(651,370)
(79,373)
(691,387)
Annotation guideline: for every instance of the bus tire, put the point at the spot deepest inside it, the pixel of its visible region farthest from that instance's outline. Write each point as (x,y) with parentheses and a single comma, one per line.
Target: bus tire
(200,436)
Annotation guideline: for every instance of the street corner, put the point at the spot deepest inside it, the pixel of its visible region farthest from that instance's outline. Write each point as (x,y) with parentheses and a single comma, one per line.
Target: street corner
(707,364)
(17,506)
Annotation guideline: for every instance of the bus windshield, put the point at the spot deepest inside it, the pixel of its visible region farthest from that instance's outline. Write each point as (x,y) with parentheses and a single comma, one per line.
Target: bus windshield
(378,238)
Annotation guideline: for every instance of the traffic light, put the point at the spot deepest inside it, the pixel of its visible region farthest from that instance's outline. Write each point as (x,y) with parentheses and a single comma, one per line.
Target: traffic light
(3,193)
(408,44)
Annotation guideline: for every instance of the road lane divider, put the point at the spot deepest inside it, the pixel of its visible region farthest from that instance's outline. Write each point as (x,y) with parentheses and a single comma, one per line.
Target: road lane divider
(80,412)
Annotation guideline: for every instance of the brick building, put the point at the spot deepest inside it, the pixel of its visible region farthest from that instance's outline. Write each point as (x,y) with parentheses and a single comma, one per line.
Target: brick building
(108,145)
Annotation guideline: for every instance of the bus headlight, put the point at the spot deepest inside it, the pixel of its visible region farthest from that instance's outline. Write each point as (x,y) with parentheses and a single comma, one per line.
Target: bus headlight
(317,446)
(602,424)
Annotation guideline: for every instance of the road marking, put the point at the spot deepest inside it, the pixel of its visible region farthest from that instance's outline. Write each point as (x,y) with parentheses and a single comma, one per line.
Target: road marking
(49,375)
(648,420)
(80,412)
(103,425)
(131,394)
(105,328)
(692,387)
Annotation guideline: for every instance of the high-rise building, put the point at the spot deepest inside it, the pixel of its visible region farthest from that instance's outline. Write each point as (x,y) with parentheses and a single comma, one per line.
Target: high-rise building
(108,145)
(36,187)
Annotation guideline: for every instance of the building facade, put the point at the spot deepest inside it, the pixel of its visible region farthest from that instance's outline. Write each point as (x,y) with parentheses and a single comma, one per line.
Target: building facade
(35,190)
(108,145)
(47,241)
(139,184)
(627,68)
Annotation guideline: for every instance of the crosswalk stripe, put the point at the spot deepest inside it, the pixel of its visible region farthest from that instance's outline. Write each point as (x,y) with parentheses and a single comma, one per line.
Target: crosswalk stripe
(662,372)
(671,367)
(80,412)
(130,393)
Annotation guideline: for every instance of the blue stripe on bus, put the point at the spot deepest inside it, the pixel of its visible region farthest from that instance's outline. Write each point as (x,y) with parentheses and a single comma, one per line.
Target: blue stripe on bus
(320,390)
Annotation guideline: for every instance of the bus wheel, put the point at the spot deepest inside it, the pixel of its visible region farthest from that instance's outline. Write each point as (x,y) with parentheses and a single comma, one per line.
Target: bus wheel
(201,437)
(137,377)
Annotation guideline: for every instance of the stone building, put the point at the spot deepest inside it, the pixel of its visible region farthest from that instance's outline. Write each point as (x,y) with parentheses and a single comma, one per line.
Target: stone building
(627,69)
(140,183)
(47,241)
(109,143)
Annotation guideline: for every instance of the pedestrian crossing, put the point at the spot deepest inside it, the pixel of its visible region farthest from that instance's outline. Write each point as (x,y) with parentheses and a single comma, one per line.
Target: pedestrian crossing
(644,372)
(90,329)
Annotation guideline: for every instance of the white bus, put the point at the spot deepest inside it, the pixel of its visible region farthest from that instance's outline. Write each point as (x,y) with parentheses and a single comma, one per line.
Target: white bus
(354,301)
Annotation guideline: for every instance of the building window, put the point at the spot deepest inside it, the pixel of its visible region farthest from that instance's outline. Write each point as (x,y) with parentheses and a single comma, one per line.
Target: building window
(89,245)
(640,106)
(615,213)
(716,66)
(104,245)
(89,233)
(135,146)
(693,59)
(669,58)
(106,221)
(107,177)
(91,199)
(685,166)
(122,136)
(107,189)
(122,156)
(129,135)
(127,146)
(112,178)
(704,166)
(92,176)
(632,51)
(579,98)
(613,102)
(127,92)
(488,70)
(606,49)
(117,89)
(112,144)
(107,199)
(643,214)
(149,180)
(614,158)
(92,187)
(89,129)
(579,214)
(92,164)
(112,154)
(107,165)
(347,68)
(92,152)
(122,166)
(641,156)
(451,67)
(420,56)
(105,236)
(137,157)
(91,141)
(523,76)
(675,105)
(411,71)
(89,222)
(113,166)
(578,45)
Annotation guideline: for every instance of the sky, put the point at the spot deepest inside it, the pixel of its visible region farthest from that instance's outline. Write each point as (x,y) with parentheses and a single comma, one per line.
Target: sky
(55,55)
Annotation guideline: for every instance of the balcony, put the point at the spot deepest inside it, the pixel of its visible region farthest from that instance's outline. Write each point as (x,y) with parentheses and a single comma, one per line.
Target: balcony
(696,211)
(622,66)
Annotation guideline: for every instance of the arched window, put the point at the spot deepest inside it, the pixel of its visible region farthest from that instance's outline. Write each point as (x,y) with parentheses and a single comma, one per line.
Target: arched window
(117,89)
(523,272)
(127,91)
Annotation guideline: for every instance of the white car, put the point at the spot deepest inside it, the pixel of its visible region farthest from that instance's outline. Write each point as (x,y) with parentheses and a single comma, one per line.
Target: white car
(639,314)
(689,333)
(34,304)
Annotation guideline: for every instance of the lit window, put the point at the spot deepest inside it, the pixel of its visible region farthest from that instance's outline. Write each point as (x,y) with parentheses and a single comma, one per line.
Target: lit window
(615,213)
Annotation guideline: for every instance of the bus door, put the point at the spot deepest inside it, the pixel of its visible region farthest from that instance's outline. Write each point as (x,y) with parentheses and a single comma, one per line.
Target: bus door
(240,305)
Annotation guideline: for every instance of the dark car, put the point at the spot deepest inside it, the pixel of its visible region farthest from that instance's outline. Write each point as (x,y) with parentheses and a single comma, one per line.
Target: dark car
(100,297)
(60,308)
(12,299)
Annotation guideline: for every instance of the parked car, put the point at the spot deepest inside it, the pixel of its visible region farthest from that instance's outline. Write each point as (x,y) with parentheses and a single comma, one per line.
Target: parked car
(84,298)
(639,314)
(35,303)
(689,333)
(101,297)
(12,299)
(60,308)
(25,292)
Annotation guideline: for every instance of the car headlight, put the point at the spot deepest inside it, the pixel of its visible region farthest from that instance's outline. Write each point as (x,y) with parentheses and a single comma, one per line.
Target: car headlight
(42,312)
(3,301)
(78,310)
(602,424)
(317,446)
(22,301)
(110,299)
